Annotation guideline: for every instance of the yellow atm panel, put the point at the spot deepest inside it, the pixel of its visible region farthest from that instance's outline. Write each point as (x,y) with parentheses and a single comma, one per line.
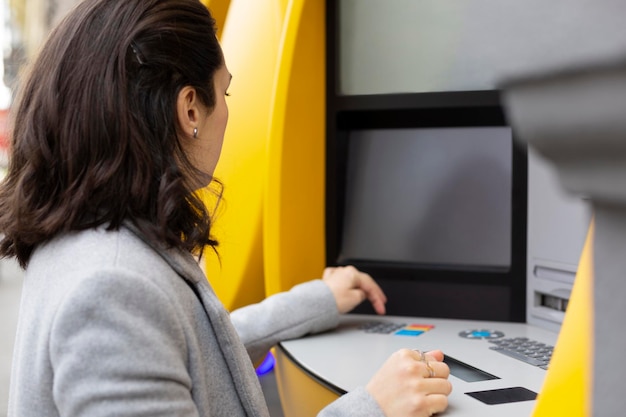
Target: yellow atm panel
(250,39)
(568,385)
(272,162)
(294,200)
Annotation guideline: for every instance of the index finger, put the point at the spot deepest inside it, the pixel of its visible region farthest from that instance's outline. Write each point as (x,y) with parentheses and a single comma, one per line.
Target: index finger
(372,291)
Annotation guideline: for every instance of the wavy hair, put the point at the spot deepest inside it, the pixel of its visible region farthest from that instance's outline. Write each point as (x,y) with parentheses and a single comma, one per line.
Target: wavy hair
(95,139)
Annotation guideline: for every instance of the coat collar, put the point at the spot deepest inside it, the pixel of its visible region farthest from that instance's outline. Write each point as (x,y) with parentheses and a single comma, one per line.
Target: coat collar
(182,262)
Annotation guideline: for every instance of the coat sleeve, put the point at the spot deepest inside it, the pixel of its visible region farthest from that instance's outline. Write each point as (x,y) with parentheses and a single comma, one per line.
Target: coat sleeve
(356,403)
(117,349)
(306,308)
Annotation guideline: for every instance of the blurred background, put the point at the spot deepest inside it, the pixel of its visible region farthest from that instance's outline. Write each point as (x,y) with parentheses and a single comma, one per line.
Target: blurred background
(23,26)
(10,287)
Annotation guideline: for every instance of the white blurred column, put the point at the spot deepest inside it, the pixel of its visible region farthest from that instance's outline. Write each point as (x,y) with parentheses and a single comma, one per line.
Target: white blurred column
(5,49)
(575,117)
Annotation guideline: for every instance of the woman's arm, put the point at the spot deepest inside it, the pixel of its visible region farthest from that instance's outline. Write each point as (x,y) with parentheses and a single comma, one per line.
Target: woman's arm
(310,307)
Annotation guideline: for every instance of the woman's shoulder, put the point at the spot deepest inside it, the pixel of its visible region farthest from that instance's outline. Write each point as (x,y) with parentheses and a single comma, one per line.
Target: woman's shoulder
(84,264)
(94,249)
(88,266)
(77,259)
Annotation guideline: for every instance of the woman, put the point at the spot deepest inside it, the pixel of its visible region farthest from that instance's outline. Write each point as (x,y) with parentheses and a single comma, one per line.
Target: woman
(119,121)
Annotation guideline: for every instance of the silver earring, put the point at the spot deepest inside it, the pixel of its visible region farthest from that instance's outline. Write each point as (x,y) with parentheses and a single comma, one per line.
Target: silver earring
(195,132)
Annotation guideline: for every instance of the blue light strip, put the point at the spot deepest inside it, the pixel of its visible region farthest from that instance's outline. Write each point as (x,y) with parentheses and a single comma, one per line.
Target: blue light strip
(267,365)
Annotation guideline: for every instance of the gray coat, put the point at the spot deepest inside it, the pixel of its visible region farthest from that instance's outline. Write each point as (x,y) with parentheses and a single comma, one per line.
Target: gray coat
(112,326)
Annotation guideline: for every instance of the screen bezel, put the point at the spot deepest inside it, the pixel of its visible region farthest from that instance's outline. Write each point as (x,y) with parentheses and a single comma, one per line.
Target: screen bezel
(430,110)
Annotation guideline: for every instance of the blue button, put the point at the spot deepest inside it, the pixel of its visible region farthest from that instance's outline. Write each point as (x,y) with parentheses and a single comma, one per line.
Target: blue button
(481,333)
(406,332)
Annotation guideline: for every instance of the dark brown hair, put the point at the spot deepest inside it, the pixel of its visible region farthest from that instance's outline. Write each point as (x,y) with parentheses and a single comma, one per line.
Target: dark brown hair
(95,137)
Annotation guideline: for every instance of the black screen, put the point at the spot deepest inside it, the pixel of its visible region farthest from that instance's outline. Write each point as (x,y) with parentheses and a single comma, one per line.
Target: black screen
(429,196)
(504,395)
(466,372)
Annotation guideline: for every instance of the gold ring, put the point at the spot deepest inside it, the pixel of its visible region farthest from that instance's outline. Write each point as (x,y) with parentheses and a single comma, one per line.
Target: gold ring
(431,371)
(422,356)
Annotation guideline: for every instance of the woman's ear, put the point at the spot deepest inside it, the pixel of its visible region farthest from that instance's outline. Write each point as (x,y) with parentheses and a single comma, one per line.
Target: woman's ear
(188,110)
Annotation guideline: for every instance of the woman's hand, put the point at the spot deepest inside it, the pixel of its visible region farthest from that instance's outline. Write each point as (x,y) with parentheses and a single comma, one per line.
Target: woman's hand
(351,287)
(411,383)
